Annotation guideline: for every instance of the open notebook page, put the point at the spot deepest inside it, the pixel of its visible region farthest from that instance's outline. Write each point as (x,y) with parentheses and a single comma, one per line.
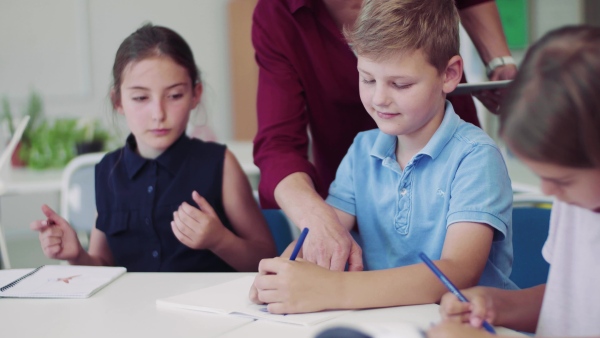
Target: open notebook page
(232,298)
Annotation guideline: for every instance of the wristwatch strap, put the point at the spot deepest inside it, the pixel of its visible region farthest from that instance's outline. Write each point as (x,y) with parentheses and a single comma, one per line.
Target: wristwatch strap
(497,62)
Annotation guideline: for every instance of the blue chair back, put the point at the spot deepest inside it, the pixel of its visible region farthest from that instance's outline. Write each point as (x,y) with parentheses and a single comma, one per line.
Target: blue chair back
(280,228)
(530,230)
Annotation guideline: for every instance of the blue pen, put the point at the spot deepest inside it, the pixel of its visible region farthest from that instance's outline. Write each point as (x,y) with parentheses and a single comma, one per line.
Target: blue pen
(489,328)
(299,244)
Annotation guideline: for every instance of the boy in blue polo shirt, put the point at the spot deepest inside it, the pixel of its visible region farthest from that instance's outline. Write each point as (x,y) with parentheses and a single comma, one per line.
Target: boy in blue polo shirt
(423,181)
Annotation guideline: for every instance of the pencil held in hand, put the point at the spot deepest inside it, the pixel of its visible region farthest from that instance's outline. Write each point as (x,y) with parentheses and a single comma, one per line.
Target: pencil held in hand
(299,244)
(439,274)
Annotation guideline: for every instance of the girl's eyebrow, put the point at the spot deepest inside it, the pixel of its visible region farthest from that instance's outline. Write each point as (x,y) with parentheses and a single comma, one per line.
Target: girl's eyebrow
(169,87)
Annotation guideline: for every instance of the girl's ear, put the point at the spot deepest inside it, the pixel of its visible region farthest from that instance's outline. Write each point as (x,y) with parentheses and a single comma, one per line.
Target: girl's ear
(116,101)
(197,95)
(452,74)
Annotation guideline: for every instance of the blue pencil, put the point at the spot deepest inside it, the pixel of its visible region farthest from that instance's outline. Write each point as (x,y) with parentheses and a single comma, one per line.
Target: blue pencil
(489,328)
(299,244)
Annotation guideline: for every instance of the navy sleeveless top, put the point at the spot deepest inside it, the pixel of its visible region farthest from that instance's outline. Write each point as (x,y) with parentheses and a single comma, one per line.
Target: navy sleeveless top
(136,198)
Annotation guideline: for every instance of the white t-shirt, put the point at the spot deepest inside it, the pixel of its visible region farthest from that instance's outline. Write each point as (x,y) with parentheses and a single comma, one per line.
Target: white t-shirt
(571,305)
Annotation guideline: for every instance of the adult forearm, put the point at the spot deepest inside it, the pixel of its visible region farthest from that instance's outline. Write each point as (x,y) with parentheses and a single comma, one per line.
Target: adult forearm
(329,243)
(297,197)
(482,23)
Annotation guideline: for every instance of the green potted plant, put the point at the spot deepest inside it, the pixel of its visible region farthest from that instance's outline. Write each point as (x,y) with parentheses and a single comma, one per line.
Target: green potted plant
(91,137)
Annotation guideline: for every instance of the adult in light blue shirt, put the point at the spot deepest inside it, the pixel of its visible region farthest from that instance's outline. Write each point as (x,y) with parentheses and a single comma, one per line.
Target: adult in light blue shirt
(459,176)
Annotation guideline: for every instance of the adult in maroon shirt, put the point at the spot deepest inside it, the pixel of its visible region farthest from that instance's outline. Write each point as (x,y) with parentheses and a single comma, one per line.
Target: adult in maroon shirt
(308,90)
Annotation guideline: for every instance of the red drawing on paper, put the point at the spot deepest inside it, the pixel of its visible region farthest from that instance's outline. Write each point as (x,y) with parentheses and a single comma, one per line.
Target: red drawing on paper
(66,280)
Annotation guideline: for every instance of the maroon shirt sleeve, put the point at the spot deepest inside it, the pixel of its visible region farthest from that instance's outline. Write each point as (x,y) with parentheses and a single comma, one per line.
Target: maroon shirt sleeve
(462,4)
(281,143)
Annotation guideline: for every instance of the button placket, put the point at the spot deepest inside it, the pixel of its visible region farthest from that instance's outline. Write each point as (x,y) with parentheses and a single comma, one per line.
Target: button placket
(403,211)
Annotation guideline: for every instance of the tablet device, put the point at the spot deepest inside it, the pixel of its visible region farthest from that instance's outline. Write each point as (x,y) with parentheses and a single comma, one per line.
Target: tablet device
(469,88)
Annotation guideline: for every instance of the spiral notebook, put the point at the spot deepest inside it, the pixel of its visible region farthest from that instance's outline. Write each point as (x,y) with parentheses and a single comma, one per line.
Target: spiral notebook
(231,298)
(57,281)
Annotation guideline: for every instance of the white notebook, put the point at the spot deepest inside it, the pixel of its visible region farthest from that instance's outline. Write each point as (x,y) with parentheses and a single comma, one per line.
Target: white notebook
(232,298)
(59,281)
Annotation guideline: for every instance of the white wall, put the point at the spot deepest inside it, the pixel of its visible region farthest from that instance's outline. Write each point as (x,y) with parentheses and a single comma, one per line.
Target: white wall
(65,50)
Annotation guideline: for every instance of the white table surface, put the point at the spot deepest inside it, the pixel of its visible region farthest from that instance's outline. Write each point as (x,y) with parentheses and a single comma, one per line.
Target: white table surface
(127,308)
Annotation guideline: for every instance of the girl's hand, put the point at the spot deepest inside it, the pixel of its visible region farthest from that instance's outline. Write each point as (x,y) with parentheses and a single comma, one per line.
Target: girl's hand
(58,239)
(480,307)
(456,330)
(295,286)
(197,228)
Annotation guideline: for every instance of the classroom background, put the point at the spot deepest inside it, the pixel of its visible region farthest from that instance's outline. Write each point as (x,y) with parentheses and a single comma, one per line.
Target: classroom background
(56,59)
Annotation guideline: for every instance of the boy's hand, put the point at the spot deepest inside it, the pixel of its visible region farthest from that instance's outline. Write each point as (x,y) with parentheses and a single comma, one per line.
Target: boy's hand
(480,307)
(456,330)
(294,286)
(197,228)
(58,239)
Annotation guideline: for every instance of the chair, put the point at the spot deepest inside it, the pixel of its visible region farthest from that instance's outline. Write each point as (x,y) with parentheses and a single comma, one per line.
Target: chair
(77,194)
(280,228)
(531,219)
(4,160)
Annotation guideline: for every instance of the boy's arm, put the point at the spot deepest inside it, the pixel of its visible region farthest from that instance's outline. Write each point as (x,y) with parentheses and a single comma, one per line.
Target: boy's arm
(463,258)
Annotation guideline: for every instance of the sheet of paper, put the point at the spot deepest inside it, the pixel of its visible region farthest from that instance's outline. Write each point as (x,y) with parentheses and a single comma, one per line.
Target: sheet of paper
(232,298)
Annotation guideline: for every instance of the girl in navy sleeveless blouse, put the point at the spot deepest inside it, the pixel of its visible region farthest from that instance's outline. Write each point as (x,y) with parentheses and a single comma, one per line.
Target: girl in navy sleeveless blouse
(165,202)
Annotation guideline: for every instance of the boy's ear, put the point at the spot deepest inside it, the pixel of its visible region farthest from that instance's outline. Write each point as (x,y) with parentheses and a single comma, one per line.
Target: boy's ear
(197,94)
(452,74)
(116,102)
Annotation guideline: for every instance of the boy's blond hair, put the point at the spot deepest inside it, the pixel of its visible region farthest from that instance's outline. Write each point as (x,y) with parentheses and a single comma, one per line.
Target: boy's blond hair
(387,28)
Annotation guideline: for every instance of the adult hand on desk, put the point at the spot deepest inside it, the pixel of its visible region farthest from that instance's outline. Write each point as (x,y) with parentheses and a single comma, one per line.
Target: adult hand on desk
(58,239)
(295,286)
(331,246)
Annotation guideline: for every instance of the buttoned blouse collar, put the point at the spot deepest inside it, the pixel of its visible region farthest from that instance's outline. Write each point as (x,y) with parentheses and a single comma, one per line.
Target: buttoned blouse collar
(385,145)
(172,159)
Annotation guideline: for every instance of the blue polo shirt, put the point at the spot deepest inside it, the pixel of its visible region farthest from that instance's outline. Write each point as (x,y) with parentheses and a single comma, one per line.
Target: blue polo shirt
(459,176)
(136,198)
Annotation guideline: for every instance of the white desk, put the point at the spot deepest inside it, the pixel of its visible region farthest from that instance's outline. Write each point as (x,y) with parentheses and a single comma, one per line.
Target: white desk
(127,308)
